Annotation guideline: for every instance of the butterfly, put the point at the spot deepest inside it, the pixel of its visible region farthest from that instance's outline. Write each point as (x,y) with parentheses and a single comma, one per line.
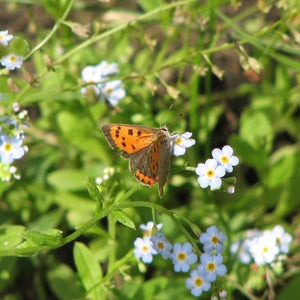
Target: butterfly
(148,150)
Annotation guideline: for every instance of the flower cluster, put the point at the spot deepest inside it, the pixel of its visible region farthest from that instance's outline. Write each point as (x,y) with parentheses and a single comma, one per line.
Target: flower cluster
(211,262)
(109,91)
(10,61)
(143,246)
(107,174)
(182,256)
(263,247)
(211,172)
(11,140)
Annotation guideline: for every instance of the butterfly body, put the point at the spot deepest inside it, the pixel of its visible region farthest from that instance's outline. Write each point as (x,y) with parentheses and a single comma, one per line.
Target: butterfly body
(148,150)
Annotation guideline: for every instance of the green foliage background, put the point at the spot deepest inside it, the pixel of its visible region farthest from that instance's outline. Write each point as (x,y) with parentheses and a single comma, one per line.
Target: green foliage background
(230,68)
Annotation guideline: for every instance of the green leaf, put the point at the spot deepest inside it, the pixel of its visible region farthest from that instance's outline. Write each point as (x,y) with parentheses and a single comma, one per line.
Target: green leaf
(93,190)
(124,219)
(288,195)
(71,201)
(256,128)
(249,155)
(64,283)
(18,46)
(283,163)
(52,237)
(47,221)
(290,290)
(149,5)
(89,270)
(10,236)
(67,179)
(151,287)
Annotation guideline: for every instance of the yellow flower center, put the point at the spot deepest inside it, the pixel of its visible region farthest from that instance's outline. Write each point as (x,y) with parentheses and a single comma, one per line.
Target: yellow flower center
(108,91)
(198,282)
(7,147)
(265,250)
(161,245)
(181,256)
(211,267)
(13,59)
(145,248)
(178,141)
(214,240)
(1,37)
(224,159)
(210,173)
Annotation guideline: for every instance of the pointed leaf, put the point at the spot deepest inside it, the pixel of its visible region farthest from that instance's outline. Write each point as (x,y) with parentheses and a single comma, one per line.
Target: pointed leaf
(89,270)
(124,219)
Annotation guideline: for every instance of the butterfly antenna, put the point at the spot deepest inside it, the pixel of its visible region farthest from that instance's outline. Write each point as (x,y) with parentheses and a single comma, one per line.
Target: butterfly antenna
(179,116)
(164,114)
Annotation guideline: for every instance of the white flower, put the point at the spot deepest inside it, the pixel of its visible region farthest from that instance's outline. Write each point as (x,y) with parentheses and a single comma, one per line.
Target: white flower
(106,69)
(91,74)
(12,61)
(13,170)
(211,266)
(209,174)
(98,180)
(263,249)
(5,37)
(149,226)
(282,239)
(213,239)
(15,106)
(223,294)
(263,246)
(144,249)
(112,92)
(161,245)
(197,283)
(11,148)
(183,257)
(181,142)
(231,189)
(225,157)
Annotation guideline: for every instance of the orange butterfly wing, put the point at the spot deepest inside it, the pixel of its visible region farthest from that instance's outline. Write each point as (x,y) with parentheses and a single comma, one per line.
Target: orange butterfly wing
(129,138)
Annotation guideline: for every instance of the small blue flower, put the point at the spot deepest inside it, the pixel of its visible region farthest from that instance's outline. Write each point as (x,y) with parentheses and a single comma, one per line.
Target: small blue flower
(149,226)
(213,239)
(91,74)
(197,283)
(106,69)
(12,61)
(11,148)
(144,249)
(5,37)
(161,245)
(181,142)
(112,92)
(183,257)
(225,157)
(210,174)
(283,239)
(211,266)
